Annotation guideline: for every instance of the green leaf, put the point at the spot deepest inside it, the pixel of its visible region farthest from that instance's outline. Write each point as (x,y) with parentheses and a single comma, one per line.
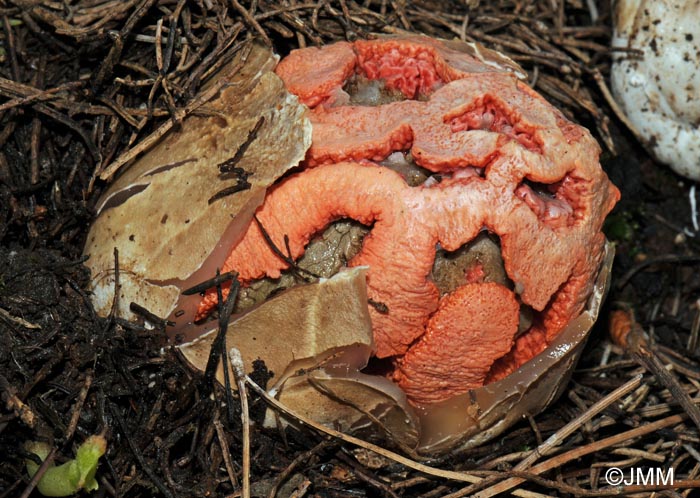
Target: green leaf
(72,476)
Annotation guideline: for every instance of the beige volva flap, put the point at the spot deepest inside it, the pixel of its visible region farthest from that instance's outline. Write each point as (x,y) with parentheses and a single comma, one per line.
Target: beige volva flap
(317,337)
(353,402)
(302,327)
(164,207)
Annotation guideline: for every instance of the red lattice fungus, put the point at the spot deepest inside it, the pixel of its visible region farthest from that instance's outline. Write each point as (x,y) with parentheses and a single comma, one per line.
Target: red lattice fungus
(499,159)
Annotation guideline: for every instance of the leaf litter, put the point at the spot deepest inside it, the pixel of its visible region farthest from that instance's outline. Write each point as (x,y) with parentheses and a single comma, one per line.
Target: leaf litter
(88,86)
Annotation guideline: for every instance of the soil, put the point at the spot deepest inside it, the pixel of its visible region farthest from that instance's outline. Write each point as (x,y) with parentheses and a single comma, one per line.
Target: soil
(81,85)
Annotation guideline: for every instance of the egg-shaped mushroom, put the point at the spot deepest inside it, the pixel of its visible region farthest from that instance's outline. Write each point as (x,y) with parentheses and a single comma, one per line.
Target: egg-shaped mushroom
(467,209)
(655,77)
(504,162)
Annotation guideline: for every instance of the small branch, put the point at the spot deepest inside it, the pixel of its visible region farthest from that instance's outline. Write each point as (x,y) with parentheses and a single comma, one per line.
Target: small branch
(554,440)
(12,401)
(446,474)
(48,462)
(284,257)
(18,321)
(208,284)
(223,443)
(627,333)
(78,407)
(250,20)
(302,458)
(230,164)
(137,453)
(239,373)
(137,309)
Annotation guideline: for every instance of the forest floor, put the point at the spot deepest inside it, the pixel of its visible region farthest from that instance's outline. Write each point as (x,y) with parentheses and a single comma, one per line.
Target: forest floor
(82,83)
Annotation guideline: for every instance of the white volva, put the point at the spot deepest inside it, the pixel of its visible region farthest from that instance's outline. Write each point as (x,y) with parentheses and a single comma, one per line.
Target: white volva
(659,91)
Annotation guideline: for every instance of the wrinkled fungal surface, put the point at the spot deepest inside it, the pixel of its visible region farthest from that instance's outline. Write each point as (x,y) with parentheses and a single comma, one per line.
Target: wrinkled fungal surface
(497,160)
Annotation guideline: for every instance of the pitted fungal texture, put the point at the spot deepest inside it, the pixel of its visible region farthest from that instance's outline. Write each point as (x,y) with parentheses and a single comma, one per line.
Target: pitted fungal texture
(504,161)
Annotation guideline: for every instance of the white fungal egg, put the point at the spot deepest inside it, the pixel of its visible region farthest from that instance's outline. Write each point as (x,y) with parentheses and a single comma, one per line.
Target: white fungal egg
(657,84)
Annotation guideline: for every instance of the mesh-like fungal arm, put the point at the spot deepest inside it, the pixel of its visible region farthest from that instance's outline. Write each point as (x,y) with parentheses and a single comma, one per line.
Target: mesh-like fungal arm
(504,161)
